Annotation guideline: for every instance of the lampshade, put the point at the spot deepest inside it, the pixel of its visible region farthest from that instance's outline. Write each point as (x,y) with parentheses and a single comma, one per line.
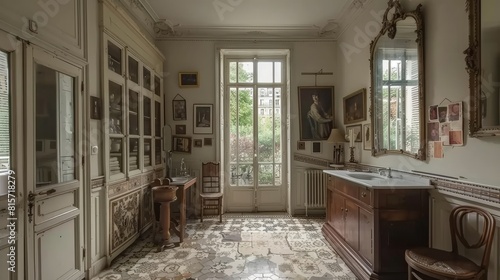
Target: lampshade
(336,136)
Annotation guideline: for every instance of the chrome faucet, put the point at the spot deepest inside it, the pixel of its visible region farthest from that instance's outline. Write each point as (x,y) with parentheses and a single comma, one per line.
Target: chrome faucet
(381,171)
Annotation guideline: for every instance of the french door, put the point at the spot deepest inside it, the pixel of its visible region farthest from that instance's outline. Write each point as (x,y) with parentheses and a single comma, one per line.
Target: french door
(54,219)
(255,134)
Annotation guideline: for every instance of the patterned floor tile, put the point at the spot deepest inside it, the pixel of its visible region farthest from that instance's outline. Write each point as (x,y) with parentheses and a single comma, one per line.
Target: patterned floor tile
(242,247)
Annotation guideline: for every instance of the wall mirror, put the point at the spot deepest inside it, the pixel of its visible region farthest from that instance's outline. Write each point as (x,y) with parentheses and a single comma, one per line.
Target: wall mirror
(397,84)
(483,64)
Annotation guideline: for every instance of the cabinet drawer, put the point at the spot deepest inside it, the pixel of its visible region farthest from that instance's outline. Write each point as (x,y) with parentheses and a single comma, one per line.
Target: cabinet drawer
(365,195)
(402,199)
(346,187)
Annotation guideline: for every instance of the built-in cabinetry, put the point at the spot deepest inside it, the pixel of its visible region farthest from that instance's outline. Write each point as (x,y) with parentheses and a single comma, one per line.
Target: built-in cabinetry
(133,102)
(132,99)
(371,228)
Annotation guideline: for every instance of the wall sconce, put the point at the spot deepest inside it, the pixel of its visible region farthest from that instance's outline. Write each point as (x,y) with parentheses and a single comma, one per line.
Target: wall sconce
(337,136)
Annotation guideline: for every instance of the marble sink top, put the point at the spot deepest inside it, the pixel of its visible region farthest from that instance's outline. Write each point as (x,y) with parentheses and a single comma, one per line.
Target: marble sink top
(376,181)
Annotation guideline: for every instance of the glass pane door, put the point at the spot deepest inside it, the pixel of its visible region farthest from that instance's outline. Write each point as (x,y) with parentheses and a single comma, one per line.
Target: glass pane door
(254,150)
(55,124)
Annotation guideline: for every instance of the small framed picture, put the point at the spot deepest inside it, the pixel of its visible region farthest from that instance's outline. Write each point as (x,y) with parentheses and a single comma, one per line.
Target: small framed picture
(202,119)
(316,147)
(356,129)
(355,107)
(197,143)
(367,137)
(179,110)
(181,144)
(95,108)
(301,145)
(180,129)
(188,79)
(207,141)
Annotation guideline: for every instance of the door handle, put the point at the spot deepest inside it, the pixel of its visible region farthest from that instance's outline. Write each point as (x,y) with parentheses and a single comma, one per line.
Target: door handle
(31,201)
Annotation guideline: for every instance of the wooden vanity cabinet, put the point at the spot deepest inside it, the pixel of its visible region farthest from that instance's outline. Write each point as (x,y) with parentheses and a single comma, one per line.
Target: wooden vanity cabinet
(371,228)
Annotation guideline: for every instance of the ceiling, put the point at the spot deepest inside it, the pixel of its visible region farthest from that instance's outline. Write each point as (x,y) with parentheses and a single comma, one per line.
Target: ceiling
(230,19)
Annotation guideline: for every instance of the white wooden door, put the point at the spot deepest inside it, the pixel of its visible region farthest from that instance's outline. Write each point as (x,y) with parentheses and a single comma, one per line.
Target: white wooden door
(54,219)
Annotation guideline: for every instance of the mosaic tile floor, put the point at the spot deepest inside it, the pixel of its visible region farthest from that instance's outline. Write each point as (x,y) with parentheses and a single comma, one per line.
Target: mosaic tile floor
(242,247)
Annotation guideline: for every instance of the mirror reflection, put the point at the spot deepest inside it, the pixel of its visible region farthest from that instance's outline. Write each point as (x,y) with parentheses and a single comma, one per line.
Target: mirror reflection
(483,64)
(397,84)
(490,62)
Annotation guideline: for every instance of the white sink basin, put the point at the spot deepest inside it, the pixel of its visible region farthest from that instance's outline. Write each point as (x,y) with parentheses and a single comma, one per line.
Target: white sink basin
(179,180)
(376,181)
(364,176)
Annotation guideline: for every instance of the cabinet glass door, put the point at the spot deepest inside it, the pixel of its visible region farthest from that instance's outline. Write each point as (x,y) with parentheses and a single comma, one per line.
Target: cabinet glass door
(133,130)
(133,70)
(116,129)
(114,58)
(146,78)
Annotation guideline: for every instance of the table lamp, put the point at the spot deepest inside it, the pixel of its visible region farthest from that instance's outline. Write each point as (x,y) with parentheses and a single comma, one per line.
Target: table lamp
(337,136)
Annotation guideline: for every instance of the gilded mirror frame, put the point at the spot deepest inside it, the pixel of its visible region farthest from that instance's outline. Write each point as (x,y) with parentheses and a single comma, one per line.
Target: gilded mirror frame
(473,67)
(389,27)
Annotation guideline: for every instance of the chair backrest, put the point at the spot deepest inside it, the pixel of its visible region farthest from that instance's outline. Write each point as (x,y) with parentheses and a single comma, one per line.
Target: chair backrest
(210,177)
(458,221)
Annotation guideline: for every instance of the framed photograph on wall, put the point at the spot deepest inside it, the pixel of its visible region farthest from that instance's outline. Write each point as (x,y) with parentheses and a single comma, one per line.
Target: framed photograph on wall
(197,143)
(202,119)
(181,144)
(316,112)
(179,110)
(188,79)
(180,129)
(207,141)
(355,107)
(95,108)
(356,130)
(316,147)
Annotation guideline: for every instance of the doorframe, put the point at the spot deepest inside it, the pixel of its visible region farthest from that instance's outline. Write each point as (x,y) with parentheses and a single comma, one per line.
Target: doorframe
(29,130)
(220,89)
(14,47)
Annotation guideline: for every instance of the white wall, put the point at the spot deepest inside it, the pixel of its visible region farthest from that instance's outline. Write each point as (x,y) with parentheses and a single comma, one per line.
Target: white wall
(446,37)
(200,56)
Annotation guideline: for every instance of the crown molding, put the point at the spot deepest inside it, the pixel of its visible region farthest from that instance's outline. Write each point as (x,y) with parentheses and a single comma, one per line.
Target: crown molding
(351,14)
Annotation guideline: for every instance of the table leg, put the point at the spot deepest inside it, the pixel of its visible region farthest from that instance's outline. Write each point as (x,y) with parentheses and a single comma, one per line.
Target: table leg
(182,208)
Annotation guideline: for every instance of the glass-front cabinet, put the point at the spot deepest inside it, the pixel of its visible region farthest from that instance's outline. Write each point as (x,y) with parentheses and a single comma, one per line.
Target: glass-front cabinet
(133,102)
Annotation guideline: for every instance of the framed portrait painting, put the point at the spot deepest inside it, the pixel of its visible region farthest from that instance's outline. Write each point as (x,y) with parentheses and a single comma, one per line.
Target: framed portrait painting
(316,111)
(355,107)
(202,119)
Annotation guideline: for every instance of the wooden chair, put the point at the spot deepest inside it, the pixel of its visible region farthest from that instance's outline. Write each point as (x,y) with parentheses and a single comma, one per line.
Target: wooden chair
(430,263)
(211,193)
